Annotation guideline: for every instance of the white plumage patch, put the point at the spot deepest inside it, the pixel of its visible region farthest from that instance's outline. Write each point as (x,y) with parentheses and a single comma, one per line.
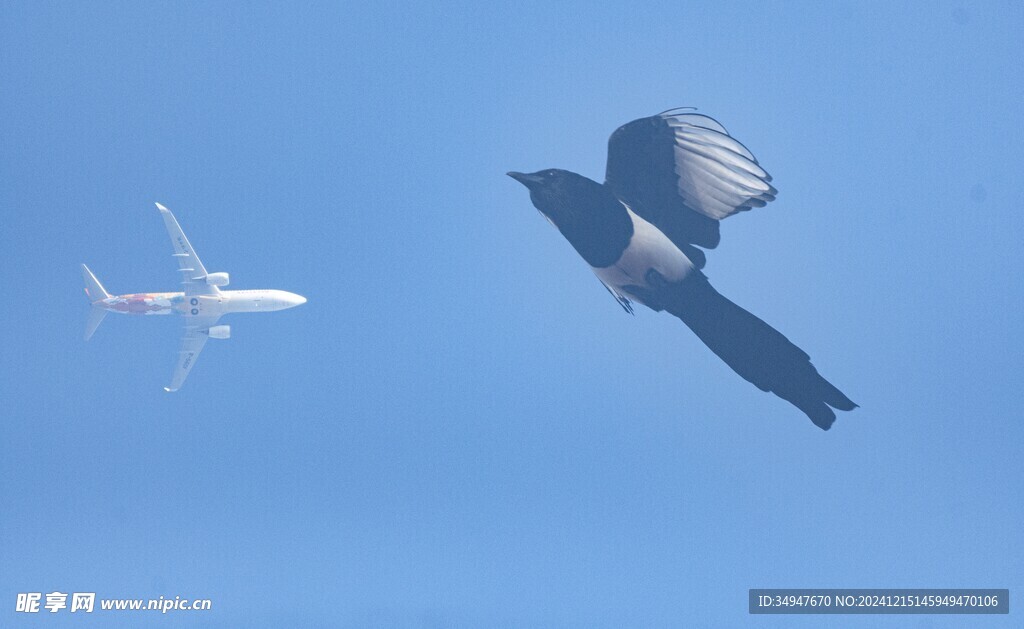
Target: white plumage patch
(648,249)
(717,175)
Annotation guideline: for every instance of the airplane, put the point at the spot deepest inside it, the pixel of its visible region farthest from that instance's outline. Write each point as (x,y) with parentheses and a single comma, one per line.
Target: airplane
(202,303)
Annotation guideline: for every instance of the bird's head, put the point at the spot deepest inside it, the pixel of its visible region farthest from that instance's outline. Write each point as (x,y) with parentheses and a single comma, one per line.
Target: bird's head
(590,217)
(556,193)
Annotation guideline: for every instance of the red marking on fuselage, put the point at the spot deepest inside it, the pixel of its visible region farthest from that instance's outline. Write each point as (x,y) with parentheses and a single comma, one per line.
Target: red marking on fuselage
(141,303)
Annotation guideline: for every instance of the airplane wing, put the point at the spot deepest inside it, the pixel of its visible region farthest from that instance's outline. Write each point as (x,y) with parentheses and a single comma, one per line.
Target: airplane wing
(193,273)
(197,332)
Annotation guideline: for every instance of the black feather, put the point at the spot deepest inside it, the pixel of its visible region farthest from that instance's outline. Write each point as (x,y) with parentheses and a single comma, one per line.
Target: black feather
(755,350)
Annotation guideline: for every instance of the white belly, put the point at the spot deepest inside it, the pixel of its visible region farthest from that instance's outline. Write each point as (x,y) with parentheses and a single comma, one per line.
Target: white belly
(648,249)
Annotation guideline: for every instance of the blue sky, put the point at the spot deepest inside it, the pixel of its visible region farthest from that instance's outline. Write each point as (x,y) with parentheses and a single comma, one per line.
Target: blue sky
(461,428)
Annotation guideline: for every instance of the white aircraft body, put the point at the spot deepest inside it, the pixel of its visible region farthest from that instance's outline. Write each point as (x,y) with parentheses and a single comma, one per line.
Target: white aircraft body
(202,303)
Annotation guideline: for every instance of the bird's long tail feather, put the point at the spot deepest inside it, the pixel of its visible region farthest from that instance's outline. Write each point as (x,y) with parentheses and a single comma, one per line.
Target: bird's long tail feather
(755,350)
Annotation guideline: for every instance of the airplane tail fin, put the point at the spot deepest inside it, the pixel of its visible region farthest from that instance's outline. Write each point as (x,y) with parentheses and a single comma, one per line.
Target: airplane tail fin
(96,315)
(93,289)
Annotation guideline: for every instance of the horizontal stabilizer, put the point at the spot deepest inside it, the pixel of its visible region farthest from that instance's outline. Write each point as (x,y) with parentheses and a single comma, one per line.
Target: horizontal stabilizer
(93,289)
(96,315)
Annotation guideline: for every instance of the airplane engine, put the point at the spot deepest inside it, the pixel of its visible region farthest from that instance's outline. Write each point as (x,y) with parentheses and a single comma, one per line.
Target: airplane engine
(217,279)
(220,332)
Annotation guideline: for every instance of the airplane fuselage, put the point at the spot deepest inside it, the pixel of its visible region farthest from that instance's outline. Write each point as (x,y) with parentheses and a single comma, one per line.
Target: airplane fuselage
(201,303)
(226,302)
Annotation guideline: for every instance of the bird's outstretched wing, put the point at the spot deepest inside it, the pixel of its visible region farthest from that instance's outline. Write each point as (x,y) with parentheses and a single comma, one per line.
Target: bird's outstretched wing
(683,172)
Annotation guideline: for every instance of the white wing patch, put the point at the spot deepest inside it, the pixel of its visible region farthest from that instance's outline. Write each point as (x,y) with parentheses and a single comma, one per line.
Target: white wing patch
(718,176)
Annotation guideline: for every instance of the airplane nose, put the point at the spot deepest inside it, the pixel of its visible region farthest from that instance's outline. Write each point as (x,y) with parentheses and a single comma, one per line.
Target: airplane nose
(282,299)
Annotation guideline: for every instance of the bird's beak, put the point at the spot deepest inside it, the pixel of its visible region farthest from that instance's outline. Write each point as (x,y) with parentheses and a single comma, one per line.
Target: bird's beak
(527,180)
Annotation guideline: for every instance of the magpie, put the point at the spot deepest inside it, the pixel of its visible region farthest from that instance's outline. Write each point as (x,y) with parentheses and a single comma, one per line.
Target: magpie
(670,179)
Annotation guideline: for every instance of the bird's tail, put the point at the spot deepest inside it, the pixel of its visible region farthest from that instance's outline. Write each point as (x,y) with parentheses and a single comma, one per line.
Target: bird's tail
(756,351)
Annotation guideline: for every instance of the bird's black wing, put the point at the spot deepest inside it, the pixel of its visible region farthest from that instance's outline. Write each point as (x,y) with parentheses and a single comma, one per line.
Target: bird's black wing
(683,172)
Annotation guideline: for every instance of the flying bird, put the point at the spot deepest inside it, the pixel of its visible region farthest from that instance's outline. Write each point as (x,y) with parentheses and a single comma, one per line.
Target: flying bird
(670,180)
